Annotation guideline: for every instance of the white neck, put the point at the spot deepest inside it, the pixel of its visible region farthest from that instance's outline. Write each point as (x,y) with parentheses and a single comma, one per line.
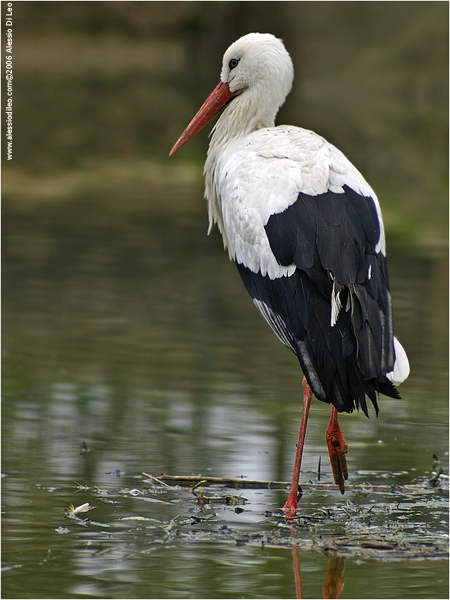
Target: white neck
(242,116)
(262,80)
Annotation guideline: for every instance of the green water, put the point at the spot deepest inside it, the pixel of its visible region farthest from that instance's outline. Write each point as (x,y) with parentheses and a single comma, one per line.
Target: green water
(130,346)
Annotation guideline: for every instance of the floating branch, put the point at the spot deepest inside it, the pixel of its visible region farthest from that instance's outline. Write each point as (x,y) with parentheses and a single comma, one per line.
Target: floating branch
(195,480)
(155,479)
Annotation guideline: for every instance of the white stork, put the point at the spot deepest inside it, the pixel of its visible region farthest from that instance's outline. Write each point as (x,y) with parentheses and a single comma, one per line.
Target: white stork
(306,232)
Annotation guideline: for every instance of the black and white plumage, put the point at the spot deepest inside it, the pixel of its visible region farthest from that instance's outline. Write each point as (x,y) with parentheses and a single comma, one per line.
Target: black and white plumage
(304,228)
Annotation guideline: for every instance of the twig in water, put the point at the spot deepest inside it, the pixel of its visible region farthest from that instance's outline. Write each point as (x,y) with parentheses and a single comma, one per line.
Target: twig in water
(189,480)
(197,485)
(155,479)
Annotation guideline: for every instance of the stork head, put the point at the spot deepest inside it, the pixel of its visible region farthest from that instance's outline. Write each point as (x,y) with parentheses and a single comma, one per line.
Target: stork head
(257,72)
(258,61)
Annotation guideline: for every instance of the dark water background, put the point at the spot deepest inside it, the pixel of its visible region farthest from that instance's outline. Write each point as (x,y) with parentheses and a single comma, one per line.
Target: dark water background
(130,345)
(134,335)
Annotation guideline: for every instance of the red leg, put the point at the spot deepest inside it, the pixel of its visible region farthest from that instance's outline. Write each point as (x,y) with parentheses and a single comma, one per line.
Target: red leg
(291,503)
(337,449)
(297,572)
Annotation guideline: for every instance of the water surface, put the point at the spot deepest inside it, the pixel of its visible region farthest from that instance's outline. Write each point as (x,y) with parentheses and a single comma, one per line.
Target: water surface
(130,346)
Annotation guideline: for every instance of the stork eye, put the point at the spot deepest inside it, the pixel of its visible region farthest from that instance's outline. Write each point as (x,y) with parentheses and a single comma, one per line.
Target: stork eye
(233,63)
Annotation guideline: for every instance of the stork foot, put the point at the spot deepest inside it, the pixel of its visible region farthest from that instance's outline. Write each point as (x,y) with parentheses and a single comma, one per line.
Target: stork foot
(291,505)
(337,449)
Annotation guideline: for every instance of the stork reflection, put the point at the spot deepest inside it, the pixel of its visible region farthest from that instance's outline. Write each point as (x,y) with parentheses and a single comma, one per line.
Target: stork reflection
(334,578)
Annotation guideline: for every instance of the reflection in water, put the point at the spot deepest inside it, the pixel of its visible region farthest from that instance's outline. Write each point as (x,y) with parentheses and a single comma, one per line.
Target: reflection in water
(334,578)
(297,572)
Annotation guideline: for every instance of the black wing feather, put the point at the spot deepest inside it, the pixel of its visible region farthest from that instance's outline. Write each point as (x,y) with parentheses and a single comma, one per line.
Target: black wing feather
(331,238)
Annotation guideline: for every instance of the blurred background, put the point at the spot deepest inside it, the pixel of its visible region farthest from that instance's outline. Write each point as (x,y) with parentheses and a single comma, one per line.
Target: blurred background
(126,328)
(102,89)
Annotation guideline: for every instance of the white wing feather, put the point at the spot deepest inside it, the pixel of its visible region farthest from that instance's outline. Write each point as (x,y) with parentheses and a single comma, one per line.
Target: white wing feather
(262,174)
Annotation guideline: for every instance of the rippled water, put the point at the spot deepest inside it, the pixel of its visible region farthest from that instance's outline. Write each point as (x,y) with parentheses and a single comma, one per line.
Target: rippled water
(130,346)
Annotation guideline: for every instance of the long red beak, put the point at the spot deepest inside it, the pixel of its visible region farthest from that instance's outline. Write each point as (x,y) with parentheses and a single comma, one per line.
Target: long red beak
(212,105)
